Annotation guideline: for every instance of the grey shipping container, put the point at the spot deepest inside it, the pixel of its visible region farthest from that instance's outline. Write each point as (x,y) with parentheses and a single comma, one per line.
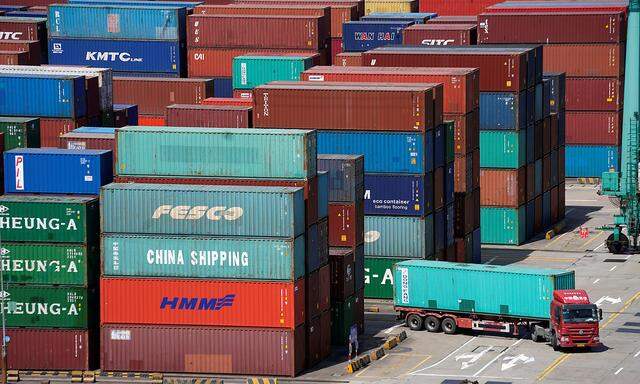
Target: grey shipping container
(346,176)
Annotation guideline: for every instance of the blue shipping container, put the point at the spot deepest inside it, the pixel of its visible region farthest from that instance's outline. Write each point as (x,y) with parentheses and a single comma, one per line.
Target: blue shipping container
(449,184)
(399,236)
(360,36)
(223,87)
(503,110)
(120,55)
(440,146)
(42,95)
(312,256)
(384,152)
(117,22)
(402,195)
(450,219)
(140,3)
(539,98)
(12,8)
(52,170)
(132,112)
(323,194)
(439,230)
(590,160)
(477,247)
(531,156)
(415,17)
(100,130)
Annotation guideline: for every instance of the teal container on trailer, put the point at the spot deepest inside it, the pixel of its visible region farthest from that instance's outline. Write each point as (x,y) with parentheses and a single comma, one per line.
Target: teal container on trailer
(250,71)
(216,152)
(203,257)
(399,236)
(503,149)
(501,225)
(473,288)
(175,209)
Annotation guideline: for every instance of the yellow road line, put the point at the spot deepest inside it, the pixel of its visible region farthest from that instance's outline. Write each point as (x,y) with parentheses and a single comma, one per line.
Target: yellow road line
(368,366)
(593,238)
(419,364)
(553,366)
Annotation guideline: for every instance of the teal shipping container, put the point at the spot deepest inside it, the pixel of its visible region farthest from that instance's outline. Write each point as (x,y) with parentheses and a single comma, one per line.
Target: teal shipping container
(250,71)
(503,149)
(399,236)
(216,152)
(202,210)
(502,225)
(487,289)
(203,257)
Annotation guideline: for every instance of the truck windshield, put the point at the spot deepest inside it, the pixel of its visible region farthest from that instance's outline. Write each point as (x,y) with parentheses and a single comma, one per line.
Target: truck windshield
(580,314)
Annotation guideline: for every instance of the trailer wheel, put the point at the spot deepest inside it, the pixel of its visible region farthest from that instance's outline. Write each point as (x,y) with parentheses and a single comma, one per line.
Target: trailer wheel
(449,326)
(432,324)
(415,322)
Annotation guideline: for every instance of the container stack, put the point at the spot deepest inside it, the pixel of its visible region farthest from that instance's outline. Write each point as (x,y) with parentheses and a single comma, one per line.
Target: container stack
(23,40)
(246,276)
(455,7)
(437,34)
(390,6)
(346,242)
(588,45)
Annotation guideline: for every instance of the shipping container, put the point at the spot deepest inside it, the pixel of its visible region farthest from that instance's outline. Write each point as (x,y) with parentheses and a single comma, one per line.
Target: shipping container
(125,114)
(358,313)
(14,58)
(342,319)
(438,189)
(488,289)
(202,302)
(390,6)
(440,34)
(346,176)
(503,187)
(389,152)
(346,224)
(274,9)
(594,94)
(379,277)
(503,225)
(539,174)
(52,219)
(397,236)
(20,132)
(81,141)
(503,110)
(416,17)
(450,141)
(591,160)
(466,210)
(31,49)
(250,71)
(189,5)
(324,281)
(52,129)
(531,175)
(312,342)
(232,350)
(598,128)
(533,6)
(23,29)
(52,349)
(196,115)
(361,36)
(342,265)
(348,59)
(558,90)
(402,195)
(450,19)
(585,60)
(466,131)
(561,201)
(143,151)
(463,173)
(455,7)
(503,149)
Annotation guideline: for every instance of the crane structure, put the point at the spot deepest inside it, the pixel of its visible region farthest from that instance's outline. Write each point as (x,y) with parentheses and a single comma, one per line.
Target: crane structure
(623,184)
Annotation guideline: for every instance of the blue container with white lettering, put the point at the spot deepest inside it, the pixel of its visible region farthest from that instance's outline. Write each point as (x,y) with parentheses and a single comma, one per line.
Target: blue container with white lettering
(401,195)
(43,95)
(53,170)
(415,17)
(120,55)
(360,36)
(503,110)
(384,152)
(117,22)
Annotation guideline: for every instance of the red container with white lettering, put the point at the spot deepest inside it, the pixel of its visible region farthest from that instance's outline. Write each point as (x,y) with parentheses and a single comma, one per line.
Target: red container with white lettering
(440,34)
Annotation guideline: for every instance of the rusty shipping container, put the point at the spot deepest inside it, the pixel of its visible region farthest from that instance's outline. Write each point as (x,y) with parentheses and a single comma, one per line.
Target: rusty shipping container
(227,101)
(32,47)
(440,34)
(14,58)
(87,140)
(191,115)
(344,106)
(52,129)
(342,264)
(52,349)
(23,28)
(461,86)
(598,128)
(312,341)
(466,131)
(503,187)
(235,350)
(552,27)
(594,94)
(585,60)
(348,59)
(324,296)
(153,95)
(346,224)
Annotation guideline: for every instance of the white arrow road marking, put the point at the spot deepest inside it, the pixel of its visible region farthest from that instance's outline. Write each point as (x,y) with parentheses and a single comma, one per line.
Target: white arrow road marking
(611,300)
(444,358)
(497,357)
(473,357)
(511,361)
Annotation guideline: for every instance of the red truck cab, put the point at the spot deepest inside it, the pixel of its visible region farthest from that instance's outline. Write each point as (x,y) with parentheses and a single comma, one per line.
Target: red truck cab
(574,320)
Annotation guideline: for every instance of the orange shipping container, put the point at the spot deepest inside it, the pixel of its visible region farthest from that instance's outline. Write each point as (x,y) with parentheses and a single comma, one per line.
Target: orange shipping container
(202,302)
(503,187)
(348,59)
(584,60)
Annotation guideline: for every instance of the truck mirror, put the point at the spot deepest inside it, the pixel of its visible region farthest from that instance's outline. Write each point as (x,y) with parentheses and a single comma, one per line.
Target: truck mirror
(600,313)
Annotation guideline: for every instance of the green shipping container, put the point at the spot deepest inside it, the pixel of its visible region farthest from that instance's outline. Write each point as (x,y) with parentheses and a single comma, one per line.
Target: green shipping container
(378,277)
(342,318)
(450,132)
(487,289)
(399,236)
(216,152)
(503,149)
(203,257)
(503,225)
(42,306)
(49,219)
(251,71)
(42,263)
(20,132)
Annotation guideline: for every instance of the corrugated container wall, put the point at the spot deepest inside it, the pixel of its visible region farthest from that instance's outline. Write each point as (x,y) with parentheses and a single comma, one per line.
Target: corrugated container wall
(361,36)
(250,71)
(397,236)
(187,115)
(53,349)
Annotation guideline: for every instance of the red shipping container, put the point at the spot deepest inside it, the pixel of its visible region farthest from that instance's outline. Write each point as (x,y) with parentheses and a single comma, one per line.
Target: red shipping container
(202,302)
(546,173)
(233,350)
(561,164)
(561,201)
(552,27)
(325,334)
(601,128)
(503,187)
(258,31)
(537,221)
(501,71)
(85,140)
(466,131)
(14,58)
(531,180)
(346,224)
(312,294)
(460,250)
(460,85)
(584,60)
(353,106)
(242,94)
(342,264)
(312,342)
(151,121)
(33,48)
(463,173)
(438,188)
(358,311)
(594,94)
(190,115)
(553,6)
(455,7)
(440,34)
(23,28)
(262,9)
(335,48)
(224,101)
(348,59)
(153,95)
(52,129)
(324,293)
(51,349)
(450,19)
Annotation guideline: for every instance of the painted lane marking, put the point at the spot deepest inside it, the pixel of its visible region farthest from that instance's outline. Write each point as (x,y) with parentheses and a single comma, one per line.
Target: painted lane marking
(446,357)
(598,247)
(618,371)
(608,299)
(463,376)
(512,361)
(490,261)
(613,268)
(624,308)
(497,357)
(472,357)
(553,366)
(637,354)
(596,281)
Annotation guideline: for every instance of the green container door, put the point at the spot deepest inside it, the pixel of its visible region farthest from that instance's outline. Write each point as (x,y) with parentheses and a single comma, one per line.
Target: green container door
(41,306)
(488,289)
(503,149)
(203,257)
(20,132)
(49,219)
(41,263)
(449,134)
(378,277)
(503,225)
(398,236)
(251,71)
(342,318)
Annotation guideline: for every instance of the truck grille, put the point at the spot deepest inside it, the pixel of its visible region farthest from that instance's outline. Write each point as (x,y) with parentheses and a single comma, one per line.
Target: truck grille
(586,335)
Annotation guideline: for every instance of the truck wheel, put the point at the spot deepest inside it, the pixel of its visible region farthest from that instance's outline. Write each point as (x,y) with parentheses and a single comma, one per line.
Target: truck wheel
(432,324)
(554,342)
(449,326)
(415,322)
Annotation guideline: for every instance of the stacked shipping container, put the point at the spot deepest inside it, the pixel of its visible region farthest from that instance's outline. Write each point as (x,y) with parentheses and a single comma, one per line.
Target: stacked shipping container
(26,36)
